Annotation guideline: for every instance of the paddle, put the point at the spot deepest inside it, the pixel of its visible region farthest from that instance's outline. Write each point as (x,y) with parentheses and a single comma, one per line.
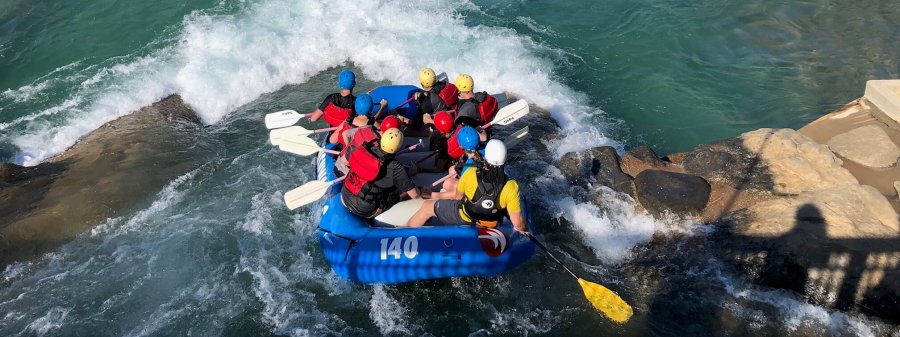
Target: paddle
(302,146)
(516,138)
(410,148)
(507,115)
(600,297)
(510,113)
(510,141)
(308,193)
(284,118)
(292,132)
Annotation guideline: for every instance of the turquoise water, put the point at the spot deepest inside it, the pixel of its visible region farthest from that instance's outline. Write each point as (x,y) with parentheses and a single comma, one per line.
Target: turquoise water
(216,253)
(683,73)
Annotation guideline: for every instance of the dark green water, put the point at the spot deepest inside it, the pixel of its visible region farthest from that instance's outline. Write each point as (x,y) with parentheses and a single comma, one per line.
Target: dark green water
(216,253)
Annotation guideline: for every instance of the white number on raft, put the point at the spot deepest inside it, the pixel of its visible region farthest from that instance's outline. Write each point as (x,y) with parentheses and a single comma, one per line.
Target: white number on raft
(410,247)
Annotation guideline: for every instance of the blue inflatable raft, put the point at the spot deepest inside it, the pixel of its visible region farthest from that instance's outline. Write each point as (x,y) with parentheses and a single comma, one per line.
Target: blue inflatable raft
(374,251)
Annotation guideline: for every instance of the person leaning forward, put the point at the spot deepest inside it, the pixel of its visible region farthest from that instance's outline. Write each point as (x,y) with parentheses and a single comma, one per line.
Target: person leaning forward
(376,181)
(484,196)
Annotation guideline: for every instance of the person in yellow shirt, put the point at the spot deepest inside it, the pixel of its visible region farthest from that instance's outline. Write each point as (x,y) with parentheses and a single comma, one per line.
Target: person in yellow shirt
(484,196)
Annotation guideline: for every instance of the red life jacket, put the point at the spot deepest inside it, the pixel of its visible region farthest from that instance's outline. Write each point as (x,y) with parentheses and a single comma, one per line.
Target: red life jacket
(453,149)
(340,132)
(450,95)
(335,115)
(361,137)
(364,169)
(488,108)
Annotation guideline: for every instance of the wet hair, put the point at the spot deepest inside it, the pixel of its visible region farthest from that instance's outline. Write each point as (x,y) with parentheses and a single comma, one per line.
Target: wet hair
(490,174)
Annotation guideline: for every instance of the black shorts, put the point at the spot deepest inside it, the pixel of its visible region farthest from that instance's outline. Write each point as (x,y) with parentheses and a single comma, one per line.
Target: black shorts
(447,212)
(368,210)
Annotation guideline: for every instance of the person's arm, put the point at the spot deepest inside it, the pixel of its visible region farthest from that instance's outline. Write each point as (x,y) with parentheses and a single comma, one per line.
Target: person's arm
(383,104)
(333,138)
(402,180)
(316,115)
(518,221)
(413,193)
(321,109)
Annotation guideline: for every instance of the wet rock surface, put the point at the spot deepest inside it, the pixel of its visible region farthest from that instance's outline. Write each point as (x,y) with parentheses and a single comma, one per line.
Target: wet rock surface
(659,191)
(106,174)
(785,211)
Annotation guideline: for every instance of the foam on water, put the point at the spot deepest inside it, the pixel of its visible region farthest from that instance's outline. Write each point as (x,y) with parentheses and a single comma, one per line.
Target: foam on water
(387,313)
(49,322)
(221,62)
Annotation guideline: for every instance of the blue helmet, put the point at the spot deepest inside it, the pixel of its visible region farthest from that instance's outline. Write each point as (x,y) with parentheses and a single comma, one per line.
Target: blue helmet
(347,79)
(468,138)
(364,105)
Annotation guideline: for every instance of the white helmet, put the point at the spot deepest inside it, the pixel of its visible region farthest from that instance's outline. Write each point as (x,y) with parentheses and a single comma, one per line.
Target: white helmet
(495,152)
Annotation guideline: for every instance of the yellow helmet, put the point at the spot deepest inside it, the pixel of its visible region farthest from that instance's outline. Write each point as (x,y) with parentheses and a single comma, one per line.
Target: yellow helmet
(465,83)
(426,77)
(391,140)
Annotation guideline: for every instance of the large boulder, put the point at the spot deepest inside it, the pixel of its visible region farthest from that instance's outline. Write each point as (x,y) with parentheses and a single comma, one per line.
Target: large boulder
(867,145)
(782,161)
(680,193)
(643,158)
(838,246)
(599,165)
(107,173)
(605,170)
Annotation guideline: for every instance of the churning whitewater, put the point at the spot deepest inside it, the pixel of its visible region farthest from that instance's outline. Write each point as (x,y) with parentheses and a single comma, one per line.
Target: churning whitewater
(216,253)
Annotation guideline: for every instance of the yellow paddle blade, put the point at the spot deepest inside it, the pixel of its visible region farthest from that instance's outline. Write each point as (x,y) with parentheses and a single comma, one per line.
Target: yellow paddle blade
(606,301)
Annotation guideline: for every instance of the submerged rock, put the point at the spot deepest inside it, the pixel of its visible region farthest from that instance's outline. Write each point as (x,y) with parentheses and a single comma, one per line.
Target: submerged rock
(104,175)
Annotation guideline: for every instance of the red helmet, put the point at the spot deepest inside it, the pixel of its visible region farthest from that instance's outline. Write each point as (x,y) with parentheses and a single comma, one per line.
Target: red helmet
(443,122)
(390,122)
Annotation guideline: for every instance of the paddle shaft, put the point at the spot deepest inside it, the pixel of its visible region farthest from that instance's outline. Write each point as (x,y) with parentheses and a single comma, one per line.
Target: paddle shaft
(439,181)
(395,108)
(541,245)
(325,130)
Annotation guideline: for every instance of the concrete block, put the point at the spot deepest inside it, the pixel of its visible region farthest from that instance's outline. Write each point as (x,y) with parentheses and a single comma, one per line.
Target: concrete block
(885,94)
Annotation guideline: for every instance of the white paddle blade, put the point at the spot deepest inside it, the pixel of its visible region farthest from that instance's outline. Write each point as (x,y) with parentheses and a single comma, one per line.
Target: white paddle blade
(511,113)
(306,194)
(302,146)
(401,212)
(288,133)
(516,138)
(282,119)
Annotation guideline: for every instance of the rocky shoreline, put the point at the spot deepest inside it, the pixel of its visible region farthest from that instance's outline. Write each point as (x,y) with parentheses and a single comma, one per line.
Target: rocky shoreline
(788,211)
(106,174)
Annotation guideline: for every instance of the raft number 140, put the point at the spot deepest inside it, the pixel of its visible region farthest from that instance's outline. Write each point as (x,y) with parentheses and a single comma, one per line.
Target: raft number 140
(409,247)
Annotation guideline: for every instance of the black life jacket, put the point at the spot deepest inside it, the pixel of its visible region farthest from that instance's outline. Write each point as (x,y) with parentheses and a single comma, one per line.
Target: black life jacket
(484,207)
(435,101)
(478,110)
(365,169)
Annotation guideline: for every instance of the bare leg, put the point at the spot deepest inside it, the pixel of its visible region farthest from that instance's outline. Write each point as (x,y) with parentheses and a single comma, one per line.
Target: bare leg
(422,215)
